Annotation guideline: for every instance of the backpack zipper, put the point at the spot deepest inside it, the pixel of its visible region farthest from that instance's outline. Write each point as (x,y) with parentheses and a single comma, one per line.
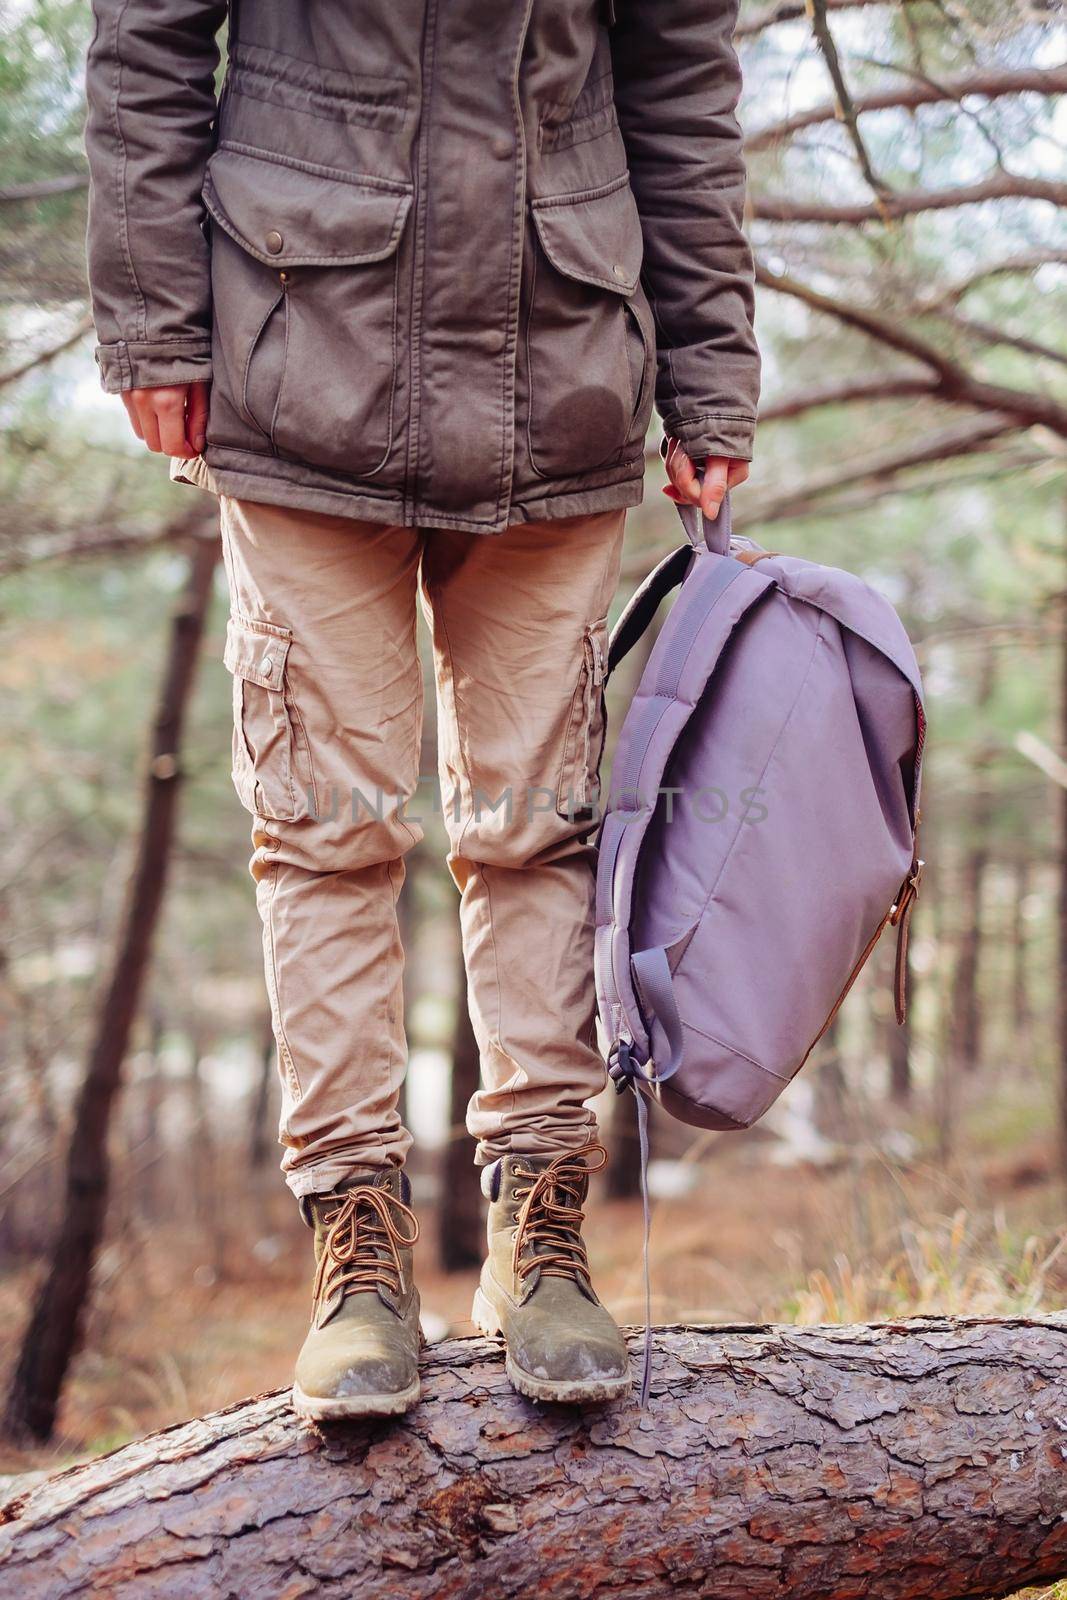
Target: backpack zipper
(898,916)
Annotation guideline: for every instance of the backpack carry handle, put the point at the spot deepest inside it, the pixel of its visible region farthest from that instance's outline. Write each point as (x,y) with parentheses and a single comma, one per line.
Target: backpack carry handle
(700,532)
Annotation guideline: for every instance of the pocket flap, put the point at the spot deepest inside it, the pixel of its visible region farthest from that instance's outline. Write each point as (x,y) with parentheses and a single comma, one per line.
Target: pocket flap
(289,216)
(257,652)
(594,237)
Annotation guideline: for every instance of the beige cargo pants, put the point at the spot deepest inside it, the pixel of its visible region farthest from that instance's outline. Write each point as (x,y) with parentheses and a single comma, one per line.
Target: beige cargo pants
(327,691)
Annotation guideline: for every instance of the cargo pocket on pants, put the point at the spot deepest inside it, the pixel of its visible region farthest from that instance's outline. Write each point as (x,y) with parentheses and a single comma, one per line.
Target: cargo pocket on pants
(272,768)
(579,777)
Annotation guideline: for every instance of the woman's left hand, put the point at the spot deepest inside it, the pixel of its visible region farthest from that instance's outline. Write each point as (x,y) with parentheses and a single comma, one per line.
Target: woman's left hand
(720,473)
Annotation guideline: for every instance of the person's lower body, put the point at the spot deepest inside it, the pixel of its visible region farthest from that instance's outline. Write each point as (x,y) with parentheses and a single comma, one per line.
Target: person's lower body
(327,736)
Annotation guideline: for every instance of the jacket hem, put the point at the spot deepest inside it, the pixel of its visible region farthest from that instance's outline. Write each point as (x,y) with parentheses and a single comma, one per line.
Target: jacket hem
(245,479)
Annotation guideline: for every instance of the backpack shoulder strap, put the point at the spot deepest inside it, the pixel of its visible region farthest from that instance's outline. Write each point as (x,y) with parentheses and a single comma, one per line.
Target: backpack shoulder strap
(646,601)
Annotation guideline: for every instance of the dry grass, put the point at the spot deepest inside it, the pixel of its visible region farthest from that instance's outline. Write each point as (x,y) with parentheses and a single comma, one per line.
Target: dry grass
(941,1268)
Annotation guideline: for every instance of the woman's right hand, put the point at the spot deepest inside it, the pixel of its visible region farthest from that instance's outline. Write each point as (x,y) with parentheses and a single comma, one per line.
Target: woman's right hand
(171,420)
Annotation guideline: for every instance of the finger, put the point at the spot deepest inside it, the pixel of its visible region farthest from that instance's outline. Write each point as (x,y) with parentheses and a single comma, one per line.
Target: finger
(716,470)
(170,414)
(739,471)
(146,413)
(130,402)
(196,417)
(682,473)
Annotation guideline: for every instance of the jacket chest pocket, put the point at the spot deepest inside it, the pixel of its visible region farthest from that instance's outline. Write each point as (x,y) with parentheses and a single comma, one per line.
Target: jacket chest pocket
(272,768)
(590,344)
(304,281)
(583,747)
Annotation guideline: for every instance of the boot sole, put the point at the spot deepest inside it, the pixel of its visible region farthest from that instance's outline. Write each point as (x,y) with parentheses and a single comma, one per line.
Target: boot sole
(563,1391)
(315,1408)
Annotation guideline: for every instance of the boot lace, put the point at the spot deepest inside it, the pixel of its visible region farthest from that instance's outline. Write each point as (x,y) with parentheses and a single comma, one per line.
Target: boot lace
(548,1236)
(365,1235)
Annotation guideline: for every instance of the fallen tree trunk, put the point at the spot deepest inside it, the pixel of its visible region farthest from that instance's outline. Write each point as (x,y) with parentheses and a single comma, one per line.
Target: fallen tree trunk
(921,1459)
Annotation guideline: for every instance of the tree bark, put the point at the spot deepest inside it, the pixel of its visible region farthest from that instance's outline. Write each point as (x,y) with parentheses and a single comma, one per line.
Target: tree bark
(54,1329)
(913,1461)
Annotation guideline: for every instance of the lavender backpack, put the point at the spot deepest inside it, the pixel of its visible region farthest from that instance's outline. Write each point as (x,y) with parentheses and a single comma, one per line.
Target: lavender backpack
(761,830)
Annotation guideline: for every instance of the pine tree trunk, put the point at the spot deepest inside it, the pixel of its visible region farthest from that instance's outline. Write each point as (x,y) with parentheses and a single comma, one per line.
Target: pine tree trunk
(899,1042)
(51,1338)
(915,1461)
(622,1177)
(1021,1015)
(260,1143)
(966,1014)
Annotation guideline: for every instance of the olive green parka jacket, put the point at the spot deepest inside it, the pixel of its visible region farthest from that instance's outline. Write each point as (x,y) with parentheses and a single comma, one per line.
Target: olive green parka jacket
(437,257)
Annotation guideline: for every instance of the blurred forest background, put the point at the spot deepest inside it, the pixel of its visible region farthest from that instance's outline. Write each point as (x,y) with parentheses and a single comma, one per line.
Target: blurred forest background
(908,200)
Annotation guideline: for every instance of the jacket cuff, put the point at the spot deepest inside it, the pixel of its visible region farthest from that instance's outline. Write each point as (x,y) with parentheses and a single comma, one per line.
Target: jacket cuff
(719,433)
(155,365)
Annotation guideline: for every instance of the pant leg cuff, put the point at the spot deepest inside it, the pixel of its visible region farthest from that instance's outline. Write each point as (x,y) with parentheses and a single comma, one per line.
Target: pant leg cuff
(320,1180)
(537,1142)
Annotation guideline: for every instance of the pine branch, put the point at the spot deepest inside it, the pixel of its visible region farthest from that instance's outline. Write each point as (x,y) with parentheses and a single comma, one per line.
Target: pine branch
(961,439)
(45,188)
(43,357)
(989,84)
(1001,186)
(891,386)
(844,109)
(1028,261)
(954,382)
(793,10)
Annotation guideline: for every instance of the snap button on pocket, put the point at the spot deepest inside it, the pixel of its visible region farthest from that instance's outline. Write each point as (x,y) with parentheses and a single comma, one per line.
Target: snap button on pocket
(620,272)
(274,242)
(266,666)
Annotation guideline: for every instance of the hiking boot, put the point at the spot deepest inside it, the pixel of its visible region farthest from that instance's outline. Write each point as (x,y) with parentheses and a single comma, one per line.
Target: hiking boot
(535,1290)
(361,1356)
